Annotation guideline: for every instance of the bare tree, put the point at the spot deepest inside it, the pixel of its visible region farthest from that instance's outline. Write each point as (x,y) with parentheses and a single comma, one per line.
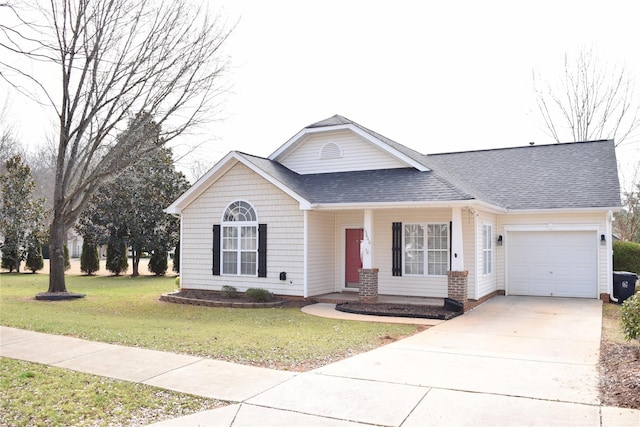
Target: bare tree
(590,101)
(116,60)
(8,142)
(627,221)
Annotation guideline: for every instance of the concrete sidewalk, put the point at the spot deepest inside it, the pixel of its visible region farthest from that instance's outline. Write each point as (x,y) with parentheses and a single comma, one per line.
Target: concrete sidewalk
(511,361)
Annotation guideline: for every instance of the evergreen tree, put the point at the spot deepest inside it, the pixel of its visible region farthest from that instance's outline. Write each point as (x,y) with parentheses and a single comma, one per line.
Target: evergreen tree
(132,205)
(21,216)
(89,260)
(10,258)
(34,259)
(117,256)
(158,263)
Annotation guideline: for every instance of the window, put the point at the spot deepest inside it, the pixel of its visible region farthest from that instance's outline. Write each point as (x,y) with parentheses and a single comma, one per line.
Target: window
(487,249)
(239,240)
(426,249)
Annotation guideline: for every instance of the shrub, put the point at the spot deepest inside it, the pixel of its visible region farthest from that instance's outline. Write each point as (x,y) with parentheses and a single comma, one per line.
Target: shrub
(229,291)
(176,259)
(34,259)
(630,314)
(89,261)
(158,263)
(10,257)
(258,295)
(117,261)
(626,257)
(177,281)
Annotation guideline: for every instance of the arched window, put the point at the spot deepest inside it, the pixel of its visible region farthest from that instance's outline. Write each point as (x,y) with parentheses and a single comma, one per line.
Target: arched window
(239,243)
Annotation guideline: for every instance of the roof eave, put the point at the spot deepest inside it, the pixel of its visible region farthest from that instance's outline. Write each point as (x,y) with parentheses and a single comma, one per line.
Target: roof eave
(565,210)
(409,204)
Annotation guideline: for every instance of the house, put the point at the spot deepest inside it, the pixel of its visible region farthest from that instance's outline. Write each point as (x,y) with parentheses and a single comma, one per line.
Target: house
(340,208)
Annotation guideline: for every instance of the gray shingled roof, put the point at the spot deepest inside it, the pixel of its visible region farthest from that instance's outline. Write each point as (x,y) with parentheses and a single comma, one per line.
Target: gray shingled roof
(571,175)
(383,186)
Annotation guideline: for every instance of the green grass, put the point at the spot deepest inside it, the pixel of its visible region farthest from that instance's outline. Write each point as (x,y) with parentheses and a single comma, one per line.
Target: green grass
(124,310)
(39,395)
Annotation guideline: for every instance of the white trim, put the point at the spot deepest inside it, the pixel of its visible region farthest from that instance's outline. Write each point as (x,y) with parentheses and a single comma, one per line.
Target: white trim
(562,210)
(255,211)
(416,204)
(551,227)
(305,255)
(291,143)
(609,253)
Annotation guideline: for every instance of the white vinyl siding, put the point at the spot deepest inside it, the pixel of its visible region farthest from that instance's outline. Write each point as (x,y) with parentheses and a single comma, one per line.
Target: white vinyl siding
(484,283)
(321,254)
(356,154)
(285,241)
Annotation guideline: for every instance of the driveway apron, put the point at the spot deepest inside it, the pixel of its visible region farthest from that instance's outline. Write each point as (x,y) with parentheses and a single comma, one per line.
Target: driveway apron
(511,361)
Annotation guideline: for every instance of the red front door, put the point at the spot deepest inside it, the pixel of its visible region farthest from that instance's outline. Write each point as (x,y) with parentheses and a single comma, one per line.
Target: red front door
(353,237)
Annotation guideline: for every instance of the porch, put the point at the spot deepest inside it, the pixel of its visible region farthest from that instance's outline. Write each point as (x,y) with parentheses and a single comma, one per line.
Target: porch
(343,297)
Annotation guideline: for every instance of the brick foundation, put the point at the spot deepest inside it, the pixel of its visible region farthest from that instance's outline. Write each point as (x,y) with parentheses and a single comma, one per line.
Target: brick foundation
(368,292)
(457,286)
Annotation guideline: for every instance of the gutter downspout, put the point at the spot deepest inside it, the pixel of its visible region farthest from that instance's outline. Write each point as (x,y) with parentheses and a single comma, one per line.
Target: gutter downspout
(609,249)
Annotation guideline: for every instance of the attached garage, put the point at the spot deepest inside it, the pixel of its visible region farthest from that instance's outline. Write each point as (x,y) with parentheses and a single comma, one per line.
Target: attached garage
(552,263)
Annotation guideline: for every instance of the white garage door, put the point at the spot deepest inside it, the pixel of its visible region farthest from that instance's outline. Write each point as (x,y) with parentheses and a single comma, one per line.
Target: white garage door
(552,263)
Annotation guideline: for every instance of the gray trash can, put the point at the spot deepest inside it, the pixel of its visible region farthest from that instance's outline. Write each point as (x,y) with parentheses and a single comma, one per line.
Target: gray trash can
(624,285)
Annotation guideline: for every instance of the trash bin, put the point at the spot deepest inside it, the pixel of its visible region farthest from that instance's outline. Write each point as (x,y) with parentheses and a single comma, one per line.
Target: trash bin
(624,285)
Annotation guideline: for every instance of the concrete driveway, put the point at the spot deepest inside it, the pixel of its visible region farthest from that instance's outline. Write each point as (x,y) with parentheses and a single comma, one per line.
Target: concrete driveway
(511,361)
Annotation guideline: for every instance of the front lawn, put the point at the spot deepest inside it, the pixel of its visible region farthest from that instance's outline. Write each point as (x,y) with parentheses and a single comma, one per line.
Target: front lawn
(38,395)
(125,310)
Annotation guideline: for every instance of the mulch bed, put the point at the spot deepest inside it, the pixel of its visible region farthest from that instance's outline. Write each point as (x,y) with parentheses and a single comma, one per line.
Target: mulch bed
(399,310)
(620,374)
(220,299)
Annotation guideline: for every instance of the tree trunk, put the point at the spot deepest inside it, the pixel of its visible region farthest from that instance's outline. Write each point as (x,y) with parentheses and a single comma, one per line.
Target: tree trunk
(56,255)
(135,260)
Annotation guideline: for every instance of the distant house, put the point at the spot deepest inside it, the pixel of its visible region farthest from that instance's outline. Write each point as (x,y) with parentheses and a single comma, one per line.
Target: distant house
(339,207)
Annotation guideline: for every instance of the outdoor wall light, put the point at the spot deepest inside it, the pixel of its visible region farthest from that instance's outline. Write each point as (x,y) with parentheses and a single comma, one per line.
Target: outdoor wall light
(603,240)
(283,275)
(500,240)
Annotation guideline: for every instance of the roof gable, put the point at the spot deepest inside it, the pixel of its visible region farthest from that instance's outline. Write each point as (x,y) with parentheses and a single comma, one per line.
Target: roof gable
(352,147)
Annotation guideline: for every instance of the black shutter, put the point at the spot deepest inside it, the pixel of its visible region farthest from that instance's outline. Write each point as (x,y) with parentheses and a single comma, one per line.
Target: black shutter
(396,249)
(215,250)
(262,250)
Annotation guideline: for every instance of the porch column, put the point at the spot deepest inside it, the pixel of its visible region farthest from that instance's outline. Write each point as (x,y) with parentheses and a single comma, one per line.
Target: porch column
(366,246)
(368,291)
(457,276)
(457,261)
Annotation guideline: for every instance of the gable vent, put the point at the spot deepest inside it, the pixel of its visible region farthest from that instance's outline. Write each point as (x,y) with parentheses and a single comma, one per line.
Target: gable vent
(330,150)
